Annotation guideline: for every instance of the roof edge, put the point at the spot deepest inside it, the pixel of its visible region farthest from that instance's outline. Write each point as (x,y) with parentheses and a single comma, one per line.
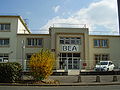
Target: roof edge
(21,19)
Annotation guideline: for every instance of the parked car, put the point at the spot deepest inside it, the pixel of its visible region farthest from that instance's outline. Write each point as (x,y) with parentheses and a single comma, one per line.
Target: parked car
(104,66)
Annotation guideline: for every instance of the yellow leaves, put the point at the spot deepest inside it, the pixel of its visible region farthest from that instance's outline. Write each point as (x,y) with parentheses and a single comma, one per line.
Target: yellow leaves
(41,63)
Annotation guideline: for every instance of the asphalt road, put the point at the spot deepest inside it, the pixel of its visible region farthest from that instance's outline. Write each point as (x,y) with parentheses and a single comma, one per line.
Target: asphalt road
(85,79)
(112,87)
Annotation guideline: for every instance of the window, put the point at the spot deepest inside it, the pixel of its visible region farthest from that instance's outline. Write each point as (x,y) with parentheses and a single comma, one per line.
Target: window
(4,42)
(77,40)
(100,57)
(96,43)
(101,43)
(69,61)
(70,40)
(67,41)
(104,43)
(4,27)
(34,42)
(4,57)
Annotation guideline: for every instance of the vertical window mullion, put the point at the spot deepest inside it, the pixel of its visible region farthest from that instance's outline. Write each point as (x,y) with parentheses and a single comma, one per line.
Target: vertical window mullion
(3,42)
(72,60)
(4,26)
(31,42)
(34,42)
(37,42)
(99,43)
(75,40)
(70,40)
(102,43)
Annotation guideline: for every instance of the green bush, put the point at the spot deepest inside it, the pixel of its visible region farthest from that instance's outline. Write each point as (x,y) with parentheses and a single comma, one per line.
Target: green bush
(10,72)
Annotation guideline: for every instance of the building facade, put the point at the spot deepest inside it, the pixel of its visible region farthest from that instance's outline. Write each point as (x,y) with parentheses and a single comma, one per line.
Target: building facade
(74,48)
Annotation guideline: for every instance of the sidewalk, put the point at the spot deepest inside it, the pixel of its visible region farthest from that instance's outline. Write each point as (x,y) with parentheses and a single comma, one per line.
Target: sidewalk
(85,79)
(72,81)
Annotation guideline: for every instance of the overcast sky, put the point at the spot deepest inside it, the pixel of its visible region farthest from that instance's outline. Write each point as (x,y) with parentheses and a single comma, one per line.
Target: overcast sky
(98,15)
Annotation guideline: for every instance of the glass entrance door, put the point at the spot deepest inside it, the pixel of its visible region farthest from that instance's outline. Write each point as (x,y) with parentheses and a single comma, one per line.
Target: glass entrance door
(69,61)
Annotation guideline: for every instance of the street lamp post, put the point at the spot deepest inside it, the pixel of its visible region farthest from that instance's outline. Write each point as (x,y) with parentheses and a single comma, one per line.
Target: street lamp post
(23,51)
(79,76)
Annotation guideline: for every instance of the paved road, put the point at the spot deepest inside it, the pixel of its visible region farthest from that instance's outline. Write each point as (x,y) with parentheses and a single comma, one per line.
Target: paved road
(85,79)
(112,87)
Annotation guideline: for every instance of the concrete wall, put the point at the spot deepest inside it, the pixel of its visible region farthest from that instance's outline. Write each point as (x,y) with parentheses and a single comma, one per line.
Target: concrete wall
(16,24)
(56,33)
(11,49)
(30,50)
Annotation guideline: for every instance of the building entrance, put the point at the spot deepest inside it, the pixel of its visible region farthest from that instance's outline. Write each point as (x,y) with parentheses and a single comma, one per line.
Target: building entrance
(69,61)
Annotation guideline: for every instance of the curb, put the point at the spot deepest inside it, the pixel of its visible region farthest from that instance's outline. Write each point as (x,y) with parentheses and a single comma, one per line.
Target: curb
(61,84)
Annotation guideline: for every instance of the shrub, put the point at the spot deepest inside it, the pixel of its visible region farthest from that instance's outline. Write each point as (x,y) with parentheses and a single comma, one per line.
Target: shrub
(41,64)
(10,72)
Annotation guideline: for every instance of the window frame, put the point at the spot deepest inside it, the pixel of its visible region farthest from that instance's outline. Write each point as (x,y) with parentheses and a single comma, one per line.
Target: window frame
(101,57)
(68,60)
(101,43)
(104,43)
(96,43)
(5,27)
(3,57)
(4,42)
(70,40)
(34,42)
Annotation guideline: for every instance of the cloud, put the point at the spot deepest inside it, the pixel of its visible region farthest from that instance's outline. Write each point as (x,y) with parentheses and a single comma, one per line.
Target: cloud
(56,8)
(97,16)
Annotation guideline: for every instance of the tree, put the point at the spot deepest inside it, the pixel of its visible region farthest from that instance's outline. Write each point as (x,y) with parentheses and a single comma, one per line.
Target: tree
(41,64)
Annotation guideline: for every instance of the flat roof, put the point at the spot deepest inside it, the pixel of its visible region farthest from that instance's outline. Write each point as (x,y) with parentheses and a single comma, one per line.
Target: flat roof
(33,34)
(17,16)
(104,35)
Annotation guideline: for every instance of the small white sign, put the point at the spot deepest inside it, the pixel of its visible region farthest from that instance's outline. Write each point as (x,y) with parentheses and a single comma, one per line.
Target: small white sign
(70,48)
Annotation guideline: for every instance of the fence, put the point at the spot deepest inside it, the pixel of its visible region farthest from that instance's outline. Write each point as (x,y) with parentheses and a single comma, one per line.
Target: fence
(69,65)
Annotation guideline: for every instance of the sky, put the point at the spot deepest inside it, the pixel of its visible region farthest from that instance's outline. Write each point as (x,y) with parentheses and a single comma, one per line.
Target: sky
(98,15)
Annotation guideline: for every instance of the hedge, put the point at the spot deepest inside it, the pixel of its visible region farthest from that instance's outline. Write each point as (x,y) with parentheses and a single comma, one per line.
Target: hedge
(10,72)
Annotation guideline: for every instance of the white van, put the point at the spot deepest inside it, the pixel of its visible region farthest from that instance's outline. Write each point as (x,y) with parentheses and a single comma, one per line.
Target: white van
(104,66)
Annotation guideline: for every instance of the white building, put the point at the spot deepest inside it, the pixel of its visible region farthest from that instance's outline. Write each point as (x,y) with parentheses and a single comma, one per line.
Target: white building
(72,46)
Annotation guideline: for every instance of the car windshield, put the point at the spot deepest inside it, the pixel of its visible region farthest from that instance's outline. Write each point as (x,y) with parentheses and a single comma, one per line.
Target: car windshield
(102,63)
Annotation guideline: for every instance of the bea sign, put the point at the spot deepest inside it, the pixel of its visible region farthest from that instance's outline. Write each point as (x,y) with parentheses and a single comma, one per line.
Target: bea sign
(70,48)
